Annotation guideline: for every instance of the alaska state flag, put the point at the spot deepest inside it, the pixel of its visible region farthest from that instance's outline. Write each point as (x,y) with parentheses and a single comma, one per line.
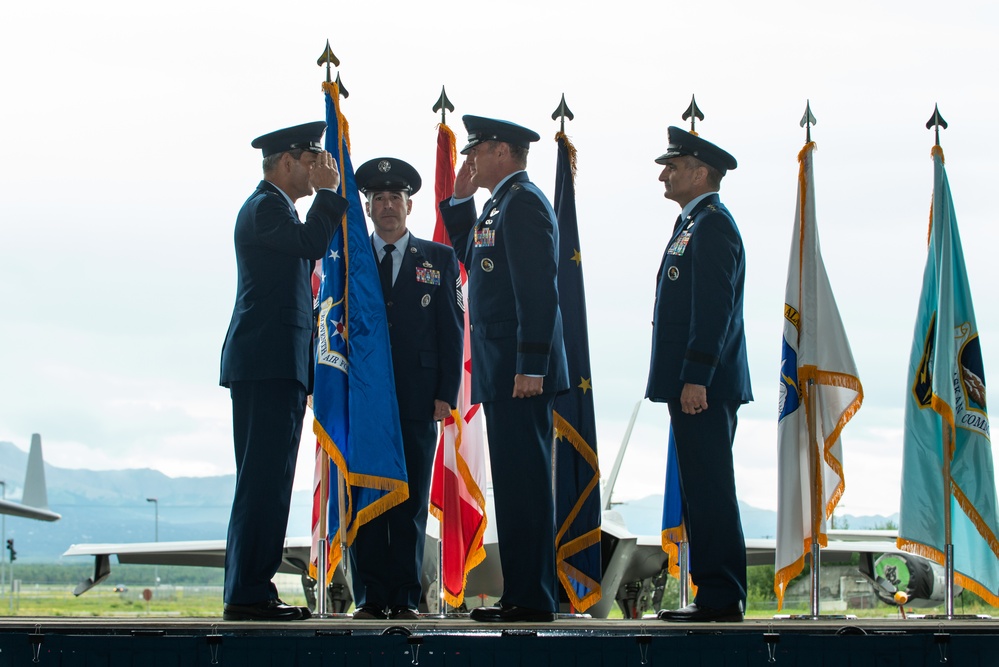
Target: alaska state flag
(456,491)
(819,386)
(577,473)
(356,414)
(946,416)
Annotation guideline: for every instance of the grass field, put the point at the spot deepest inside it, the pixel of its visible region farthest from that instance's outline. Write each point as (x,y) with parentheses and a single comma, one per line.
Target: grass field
(197,593)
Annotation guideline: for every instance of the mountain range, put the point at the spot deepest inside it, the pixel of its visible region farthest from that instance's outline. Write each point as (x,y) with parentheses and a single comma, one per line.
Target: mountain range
(111,506)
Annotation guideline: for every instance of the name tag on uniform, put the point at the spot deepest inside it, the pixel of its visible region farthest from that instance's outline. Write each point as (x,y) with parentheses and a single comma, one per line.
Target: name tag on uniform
(680,244)
(485,238)
(428,276)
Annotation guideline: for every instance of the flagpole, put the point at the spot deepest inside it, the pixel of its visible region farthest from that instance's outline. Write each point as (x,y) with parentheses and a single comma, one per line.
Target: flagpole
(816,447)
(935,122)
(322,545)
(815,460)
(443,105)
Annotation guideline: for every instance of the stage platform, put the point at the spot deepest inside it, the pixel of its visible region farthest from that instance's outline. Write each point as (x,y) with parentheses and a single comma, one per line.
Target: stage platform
(567,642)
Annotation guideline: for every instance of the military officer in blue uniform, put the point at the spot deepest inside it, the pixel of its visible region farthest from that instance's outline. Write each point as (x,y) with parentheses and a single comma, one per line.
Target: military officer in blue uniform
(518,355)
(267,357)
(699,369)
(420,283)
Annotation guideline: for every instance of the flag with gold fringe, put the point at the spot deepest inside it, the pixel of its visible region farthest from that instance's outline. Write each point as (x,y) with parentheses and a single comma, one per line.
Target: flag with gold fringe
(820,391)
(457,496)
(577,470)
(356,414)
(674,532)
(946,416)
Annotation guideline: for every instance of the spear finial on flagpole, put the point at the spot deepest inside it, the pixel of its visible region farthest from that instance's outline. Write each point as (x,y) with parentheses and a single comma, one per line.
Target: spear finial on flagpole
(443,105)
(329,58)
(343,91)
(807,121)
(693,112)
(936,121)
(562,112)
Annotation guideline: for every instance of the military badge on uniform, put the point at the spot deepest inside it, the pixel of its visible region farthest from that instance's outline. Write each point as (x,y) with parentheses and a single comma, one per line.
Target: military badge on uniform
(673,273)
(487,265)
(425,301)
(485,238)
(493,213)
(679,246)
(384,166)
(427,264)
(412,250)
(428,276)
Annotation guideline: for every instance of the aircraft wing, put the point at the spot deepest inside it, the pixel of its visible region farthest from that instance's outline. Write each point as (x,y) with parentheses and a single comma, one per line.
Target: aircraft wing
(17,509)
(197,553)
(762,551)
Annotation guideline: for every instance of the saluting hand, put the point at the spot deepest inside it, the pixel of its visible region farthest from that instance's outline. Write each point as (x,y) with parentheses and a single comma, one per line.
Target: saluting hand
(324,172)
(463,182)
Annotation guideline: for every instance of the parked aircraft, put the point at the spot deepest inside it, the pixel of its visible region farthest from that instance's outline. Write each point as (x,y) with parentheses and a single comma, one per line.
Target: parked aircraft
(635,566)
(34,501)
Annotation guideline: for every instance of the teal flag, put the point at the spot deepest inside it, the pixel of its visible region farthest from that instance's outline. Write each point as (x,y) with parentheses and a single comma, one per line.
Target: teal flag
(946,416)
(357,417)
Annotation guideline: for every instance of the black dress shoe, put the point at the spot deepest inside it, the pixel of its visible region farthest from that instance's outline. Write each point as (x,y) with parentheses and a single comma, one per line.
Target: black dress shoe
(404,614)
(369,612)
(510,614)
(268,610)
(695,613)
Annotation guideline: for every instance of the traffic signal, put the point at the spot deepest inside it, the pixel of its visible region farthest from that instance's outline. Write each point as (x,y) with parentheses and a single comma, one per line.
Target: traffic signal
(10,548)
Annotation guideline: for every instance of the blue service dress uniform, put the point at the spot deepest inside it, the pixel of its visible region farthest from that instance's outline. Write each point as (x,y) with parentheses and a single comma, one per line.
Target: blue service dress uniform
(267,364)
(510,254)
(699,338)
(426,328)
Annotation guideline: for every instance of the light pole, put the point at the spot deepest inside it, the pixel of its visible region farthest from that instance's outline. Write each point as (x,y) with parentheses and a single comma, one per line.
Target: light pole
(156,505)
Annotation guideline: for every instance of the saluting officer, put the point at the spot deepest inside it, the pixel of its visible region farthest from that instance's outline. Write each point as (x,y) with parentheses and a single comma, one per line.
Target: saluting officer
(421,287)
(518,355)
(267,357)
(699,369)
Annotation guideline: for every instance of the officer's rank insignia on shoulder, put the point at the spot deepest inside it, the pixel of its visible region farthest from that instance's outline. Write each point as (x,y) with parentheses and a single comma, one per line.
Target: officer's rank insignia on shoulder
(485,238)
(428,276)
(515,187)
(711,207)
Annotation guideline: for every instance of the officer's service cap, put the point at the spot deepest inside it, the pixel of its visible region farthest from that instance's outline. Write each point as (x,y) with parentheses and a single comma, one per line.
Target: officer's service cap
(387,174)
(307,137)
(685,143)
(490,129)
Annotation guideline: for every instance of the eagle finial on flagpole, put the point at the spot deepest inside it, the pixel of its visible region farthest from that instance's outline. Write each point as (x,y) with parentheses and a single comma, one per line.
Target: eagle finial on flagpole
(443,105)
(562,112)
(936,121)
(807,121)
(694,113)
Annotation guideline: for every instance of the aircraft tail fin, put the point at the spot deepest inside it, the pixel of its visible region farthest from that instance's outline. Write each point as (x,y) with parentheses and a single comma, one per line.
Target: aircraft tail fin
(35,494)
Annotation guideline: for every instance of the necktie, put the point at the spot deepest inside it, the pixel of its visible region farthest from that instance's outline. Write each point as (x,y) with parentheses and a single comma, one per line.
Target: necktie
(385,270)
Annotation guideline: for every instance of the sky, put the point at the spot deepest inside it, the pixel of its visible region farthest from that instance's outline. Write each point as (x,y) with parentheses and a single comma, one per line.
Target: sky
(127,130)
